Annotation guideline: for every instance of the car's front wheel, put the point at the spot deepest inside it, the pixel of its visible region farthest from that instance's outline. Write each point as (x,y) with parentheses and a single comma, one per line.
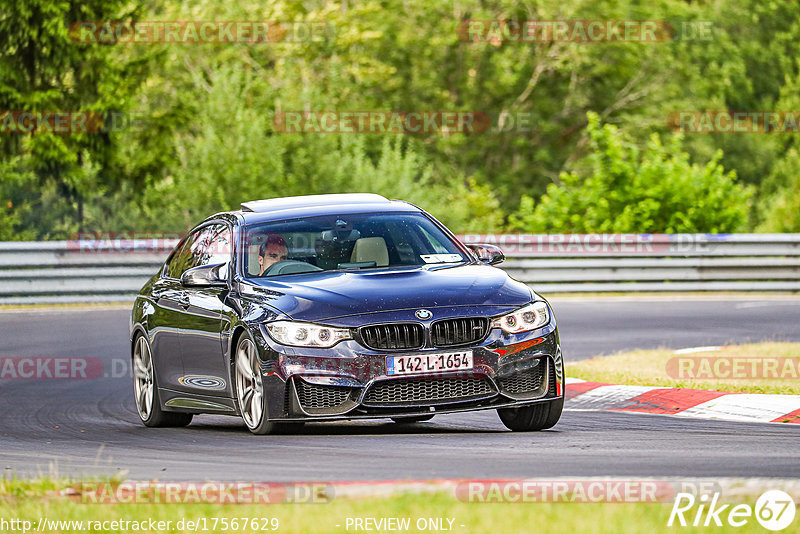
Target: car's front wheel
(145,390)
(535,417)
(250,391)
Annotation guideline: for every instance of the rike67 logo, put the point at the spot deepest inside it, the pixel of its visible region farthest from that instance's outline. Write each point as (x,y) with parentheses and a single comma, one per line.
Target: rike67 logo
(774,510)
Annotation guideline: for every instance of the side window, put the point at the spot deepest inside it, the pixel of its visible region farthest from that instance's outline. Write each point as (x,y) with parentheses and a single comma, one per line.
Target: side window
(180,260)
(217,241)
(209,245)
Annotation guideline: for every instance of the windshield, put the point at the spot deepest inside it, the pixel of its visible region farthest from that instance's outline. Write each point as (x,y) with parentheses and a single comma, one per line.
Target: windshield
(345,242)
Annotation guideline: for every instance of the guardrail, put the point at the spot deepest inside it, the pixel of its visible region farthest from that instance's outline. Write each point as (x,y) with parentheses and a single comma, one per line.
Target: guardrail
(74,271)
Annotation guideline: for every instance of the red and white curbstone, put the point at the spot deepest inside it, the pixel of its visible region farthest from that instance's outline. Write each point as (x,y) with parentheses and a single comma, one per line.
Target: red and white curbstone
(698,403)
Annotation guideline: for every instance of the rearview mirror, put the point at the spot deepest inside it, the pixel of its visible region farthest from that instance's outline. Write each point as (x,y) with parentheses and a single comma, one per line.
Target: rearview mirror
(205,276)
(488,254)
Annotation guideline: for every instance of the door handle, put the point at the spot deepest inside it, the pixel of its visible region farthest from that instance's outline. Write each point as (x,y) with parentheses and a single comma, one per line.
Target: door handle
(184,301)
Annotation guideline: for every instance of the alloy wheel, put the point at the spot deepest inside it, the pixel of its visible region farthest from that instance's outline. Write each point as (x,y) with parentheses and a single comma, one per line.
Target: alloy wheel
(143,378)
(249,388)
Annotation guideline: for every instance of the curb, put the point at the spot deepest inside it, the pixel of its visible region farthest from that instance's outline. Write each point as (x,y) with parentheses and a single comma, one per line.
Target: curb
(678,402)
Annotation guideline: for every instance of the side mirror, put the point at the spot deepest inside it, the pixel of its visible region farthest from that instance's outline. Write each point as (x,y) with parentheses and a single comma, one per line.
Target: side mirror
(488,254)
(205,276)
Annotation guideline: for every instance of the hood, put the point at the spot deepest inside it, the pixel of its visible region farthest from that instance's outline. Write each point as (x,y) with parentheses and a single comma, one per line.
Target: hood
(328,295)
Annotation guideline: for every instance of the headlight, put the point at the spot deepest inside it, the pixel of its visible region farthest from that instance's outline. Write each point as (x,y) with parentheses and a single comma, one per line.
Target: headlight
(306,334)
(526,318)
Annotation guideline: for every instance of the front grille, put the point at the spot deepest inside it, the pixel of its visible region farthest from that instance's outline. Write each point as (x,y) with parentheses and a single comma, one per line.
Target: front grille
(392,336)
(527,381)
(428,391)
(316,399)
(462,331)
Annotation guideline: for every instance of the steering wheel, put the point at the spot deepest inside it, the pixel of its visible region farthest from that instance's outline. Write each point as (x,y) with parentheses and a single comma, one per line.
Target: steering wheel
(290,267)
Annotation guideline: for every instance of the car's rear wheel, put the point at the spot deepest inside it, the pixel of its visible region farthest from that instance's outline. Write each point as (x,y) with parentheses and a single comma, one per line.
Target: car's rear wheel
(536,417)
(413,419)
(145,390)
(250,391)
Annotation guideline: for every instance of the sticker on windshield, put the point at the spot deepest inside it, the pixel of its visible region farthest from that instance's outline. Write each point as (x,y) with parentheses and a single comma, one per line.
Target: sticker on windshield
(441,258)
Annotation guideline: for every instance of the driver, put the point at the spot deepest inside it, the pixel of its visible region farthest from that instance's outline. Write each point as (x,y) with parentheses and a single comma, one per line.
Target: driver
(271,251)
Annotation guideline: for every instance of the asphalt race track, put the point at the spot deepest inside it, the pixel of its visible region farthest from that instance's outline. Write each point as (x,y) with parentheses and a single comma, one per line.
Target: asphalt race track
(90,427)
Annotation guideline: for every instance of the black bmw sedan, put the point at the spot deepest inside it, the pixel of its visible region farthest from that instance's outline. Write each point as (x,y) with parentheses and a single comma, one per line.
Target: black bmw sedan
(335,307)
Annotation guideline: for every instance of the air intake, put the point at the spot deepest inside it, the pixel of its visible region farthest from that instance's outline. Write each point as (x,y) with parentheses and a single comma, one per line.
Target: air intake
(412,391)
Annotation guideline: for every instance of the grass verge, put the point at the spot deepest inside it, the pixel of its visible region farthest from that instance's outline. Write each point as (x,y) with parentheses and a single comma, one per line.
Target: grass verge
(33,500)
(701,370)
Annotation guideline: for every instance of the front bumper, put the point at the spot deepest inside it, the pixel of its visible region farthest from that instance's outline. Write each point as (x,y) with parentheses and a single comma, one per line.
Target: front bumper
(349,381)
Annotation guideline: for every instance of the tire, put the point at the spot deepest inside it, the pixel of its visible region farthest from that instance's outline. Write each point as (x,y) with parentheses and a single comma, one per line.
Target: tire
(412,419)
(145,390)
(536,417)
(250,396)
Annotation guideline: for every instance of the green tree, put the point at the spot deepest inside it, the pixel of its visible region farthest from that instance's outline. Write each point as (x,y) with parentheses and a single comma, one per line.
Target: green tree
(780,210)
(779,198)
(206,141)
(229,152)
(43,70)
(619,189)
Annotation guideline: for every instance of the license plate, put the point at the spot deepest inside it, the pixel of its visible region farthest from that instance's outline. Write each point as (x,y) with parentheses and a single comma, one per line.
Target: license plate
(428,363)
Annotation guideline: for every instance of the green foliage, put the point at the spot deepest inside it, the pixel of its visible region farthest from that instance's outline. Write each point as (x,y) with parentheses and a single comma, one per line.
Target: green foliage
(401,172)
(621,190)
(8,220)
(43,70)
(13,205)
(235,155)
(779,203)
(205,141)
(780,210)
